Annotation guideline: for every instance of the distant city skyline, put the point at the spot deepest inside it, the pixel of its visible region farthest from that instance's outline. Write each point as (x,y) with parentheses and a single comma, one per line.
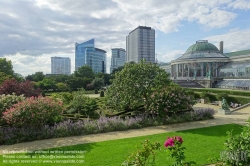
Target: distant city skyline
(33,31)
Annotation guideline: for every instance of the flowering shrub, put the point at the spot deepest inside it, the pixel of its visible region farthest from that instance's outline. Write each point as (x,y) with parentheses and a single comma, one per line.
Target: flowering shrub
(6,101)
(26,88)
(13,134)
(172,99)
(34,111)
(203,113)
(174,145)
(143,157)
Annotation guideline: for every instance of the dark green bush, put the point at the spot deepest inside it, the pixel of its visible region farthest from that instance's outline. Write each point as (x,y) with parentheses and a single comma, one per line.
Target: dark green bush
(222,95)
(102,94)
(96,91)
(83,104)
(217,91)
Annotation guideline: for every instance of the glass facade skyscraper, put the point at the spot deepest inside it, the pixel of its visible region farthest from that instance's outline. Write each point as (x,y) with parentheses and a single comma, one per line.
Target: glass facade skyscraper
(60,65)
(118,58)
(87,54)
(80,52)
(140,44)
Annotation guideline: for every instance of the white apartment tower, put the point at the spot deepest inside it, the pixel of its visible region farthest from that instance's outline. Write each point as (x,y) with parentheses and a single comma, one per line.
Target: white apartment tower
(60,65)
(118,58)
(140,44)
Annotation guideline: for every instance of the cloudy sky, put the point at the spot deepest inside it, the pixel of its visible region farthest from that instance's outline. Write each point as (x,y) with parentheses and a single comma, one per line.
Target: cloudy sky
(32,31)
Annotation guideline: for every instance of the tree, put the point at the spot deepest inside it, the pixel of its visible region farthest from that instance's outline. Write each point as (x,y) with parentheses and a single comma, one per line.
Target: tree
(98,83)
(106,78)
(62,86)
(85,71)
(76,82)
(38,76)
(4,76)
(26,88)
(46,84)
(117,69)
(6,67)
(133,86)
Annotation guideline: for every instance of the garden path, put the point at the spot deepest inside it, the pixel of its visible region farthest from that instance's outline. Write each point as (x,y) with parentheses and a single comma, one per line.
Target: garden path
(238,117)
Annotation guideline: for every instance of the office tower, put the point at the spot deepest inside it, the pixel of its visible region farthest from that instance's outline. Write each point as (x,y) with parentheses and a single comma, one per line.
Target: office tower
(60,65)
(140,44)
(118,58)
(87,54)
(96,59)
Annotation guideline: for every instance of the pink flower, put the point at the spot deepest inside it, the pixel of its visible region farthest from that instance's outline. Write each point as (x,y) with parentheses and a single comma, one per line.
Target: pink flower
(179,139)
(169,142)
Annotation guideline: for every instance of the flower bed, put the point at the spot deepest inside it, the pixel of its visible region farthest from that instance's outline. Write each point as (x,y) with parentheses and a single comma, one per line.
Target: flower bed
(12,135)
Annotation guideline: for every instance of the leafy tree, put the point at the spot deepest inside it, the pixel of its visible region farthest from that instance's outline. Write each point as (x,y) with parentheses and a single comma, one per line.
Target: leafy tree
(117,69)
(85,71)
(46,84)
(98,83)
(38,76)
(60,78)
(106,78)
(76,82)
(6,67)
(4,76)
(133,86)
(62,86)
(26,88)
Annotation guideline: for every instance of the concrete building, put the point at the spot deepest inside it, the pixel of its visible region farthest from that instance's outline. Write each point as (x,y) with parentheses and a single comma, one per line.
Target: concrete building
(87,54)
(140,44)
(118,58)
(60,65)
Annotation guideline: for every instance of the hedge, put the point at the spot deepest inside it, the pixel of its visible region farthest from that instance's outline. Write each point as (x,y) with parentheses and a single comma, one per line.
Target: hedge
(229,92)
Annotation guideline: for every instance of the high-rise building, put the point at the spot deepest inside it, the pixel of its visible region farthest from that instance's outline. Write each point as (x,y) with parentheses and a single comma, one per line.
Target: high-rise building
(60,65)
(87,54)
(80,52)
(96,59)
(140,44)
(118,58)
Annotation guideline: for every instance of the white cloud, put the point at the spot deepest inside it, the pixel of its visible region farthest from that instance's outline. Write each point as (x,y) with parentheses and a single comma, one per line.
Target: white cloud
(45,28)
(172,55)
(240,4)
(233,41)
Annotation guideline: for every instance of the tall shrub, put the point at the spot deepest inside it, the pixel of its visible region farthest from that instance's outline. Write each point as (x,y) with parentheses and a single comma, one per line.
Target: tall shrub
(34,111)
(83,104)
(172,99)
(133,86)
(6,101)
(26,88)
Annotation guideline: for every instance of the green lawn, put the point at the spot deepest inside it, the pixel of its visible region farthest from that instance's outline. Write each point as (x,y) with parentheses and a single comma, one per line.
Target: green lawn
(201,144)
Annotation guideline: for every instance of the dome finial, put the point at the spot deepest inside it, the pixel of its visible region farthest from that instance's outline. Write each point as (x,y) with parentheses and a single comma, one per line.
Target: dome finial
(202,41)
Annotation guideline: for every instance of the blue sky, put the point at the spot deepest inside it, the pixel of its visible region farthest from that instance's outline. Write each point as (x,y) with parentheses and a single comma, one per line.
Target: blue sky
(32,31)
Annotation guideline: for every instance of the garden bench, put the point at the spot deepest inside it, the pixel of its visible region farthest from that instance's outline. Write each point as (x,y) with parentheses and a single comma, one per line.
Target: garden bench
(215,103)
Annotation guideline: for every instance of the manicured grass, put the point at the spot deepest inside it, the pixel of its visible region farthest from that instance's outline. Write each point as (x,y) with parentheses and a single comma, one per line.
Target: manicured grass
(201,144)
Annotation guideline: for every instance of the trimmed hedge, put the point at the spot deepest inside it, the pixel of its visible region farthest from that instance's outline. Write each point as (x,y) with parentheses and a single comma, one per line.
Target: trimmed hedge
(234,99)
(229,92)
